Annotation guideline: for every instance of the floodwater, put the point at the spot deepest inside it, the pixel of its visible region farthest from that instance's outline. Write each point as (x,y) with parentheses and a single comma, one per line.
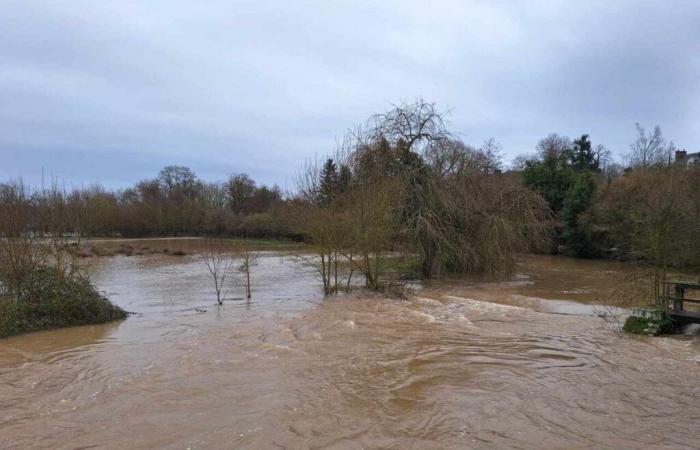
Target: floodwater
(527,363)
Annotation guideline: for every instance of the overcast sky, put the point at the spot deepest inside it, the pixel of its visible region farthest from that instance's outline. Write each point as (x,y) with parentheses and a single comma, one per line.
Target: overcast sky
(110,91)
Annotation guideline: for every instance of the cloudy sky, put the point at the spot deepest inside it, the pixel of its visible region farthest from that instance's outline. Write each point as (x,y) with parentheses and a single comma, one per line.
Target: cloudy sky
(110,91)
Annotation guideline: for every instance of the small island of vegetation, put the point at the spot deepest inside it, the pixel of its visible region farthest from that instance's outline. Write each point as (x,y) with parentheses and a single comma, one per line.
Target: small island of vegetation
(41,284)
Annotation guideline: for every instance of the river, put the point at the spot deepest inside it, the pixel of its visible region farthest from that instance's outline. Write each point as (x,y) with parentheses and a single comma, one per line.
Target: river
(524,363)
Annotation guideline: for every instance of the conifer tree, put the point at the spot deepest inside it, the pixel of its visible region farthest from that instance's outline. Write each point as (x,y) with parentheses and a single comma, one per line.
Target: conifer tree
(329,182)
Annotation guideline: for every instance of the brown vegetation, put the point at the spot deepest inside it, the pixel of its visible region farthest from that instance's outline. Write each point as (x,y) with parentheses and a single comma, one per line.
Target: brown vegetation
(41,285)
(176,203)
(406,185)
(222,259)
(653,215)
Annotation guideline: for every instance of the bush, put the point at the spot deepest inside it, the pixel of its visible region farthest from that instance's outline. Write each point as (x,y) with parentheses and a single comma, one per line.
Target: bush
(649,325)
(51,300)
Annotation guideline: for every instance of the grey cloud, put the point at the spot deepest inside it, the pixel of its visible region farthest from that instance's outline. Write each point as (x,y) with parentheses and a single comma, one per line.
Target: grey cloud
(258,86)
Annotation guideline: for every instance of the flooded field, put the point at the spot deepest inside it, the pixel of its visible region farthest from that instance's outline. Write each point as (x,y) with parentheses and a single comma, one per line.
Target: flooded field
(526,363)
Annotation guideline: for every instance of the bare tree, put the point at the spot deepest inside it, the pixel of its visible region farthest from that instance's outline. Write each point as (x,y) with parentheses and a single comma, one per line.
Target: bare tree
(19,253)
(249,259)
(37,231)
(520,161)
(61,230)
(553,146)
(612,171)
(602,156)
(491,151)
(369,228)
(239,189)
(329,231)
(416,124)
(214,195)
(218,257)
(178,180)
(648,149)
(325,219)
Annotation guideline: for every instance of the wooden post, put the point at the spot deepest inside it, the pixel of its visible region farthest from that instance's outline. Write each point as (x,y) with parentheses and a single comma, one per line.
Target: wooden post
(679,294)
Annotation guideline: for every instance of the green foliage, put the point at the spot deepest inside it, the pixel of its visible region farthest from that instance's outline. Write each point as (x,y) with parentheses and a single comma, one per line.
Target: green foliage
(551,177)
(344,178)
(576,236)
(328,183)
(583,158)
(648,326)
(565,180)
(635,325)
(48,299)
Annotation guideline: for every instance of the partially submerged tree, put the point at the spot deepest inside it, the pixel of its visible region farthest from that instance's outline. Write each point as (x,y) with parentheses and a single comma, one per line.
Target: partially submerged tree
(248,260)
(318,216)
(408,185)
(219,258)
(41,285)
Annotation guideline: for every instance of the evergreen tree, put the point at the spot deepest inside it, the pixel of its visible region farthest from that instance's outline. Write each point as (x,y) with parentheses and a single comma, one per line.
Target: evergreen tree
(551,177)
(578,198)
(565,181)
(344,179)
(583,157)
(329,183)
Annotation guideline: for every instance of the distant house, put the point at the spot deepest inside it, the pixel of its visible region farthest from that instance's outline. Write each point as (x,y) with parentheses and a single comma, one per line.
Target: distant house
(687,159)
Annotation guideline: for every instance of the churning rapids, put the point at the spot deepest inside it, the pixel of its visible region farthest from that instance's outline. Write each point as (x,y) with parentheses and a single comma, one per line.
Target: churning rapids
(521,364)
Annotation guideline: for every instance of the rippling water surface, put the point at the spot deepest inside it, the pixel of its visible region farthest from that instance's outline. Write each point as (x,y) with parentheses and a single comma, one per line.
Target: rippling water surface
(525,363)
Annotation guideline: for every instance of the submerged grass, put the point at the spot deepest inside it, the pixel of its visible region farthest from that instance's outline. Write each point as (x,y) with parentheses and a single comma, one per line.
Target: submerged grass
(50,300)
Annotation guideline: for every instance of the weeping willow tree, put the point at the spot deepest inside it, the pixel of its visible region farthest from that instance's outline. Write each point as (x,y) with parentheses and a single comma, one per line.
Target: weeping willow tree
(490,218)
(410,185)
(465,215)
(452,206)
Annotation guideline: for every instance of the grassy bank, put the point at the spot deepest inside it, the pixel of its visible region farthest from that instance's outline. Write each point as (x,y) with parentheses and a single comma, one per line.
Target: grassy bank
(49,300)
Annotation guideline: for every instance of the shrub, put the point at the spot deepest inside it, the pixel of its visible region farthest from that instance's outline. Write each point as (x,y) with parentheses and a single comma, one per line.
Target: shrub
(48,299)
(649,325)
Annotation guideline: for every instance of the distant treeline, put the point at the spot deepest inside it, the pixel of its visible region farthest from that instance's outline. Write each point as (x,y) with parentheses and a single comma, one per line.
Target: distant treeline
(403,183)
(175,203)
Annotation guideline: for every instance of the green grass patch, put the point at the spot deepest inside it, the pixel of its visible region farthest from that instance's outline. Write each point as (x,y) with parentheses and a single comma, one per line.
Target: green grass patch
(407,266)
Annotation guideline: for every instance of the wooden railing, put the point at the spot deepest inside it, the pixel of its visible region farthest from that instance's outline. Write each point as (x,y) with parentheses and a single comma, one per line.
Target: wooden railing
(672,297)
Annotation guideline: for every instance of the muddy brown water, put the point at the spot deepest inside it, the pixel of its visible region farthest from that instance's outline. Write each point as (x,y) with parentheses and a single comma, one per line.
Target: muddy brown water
(525,363)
